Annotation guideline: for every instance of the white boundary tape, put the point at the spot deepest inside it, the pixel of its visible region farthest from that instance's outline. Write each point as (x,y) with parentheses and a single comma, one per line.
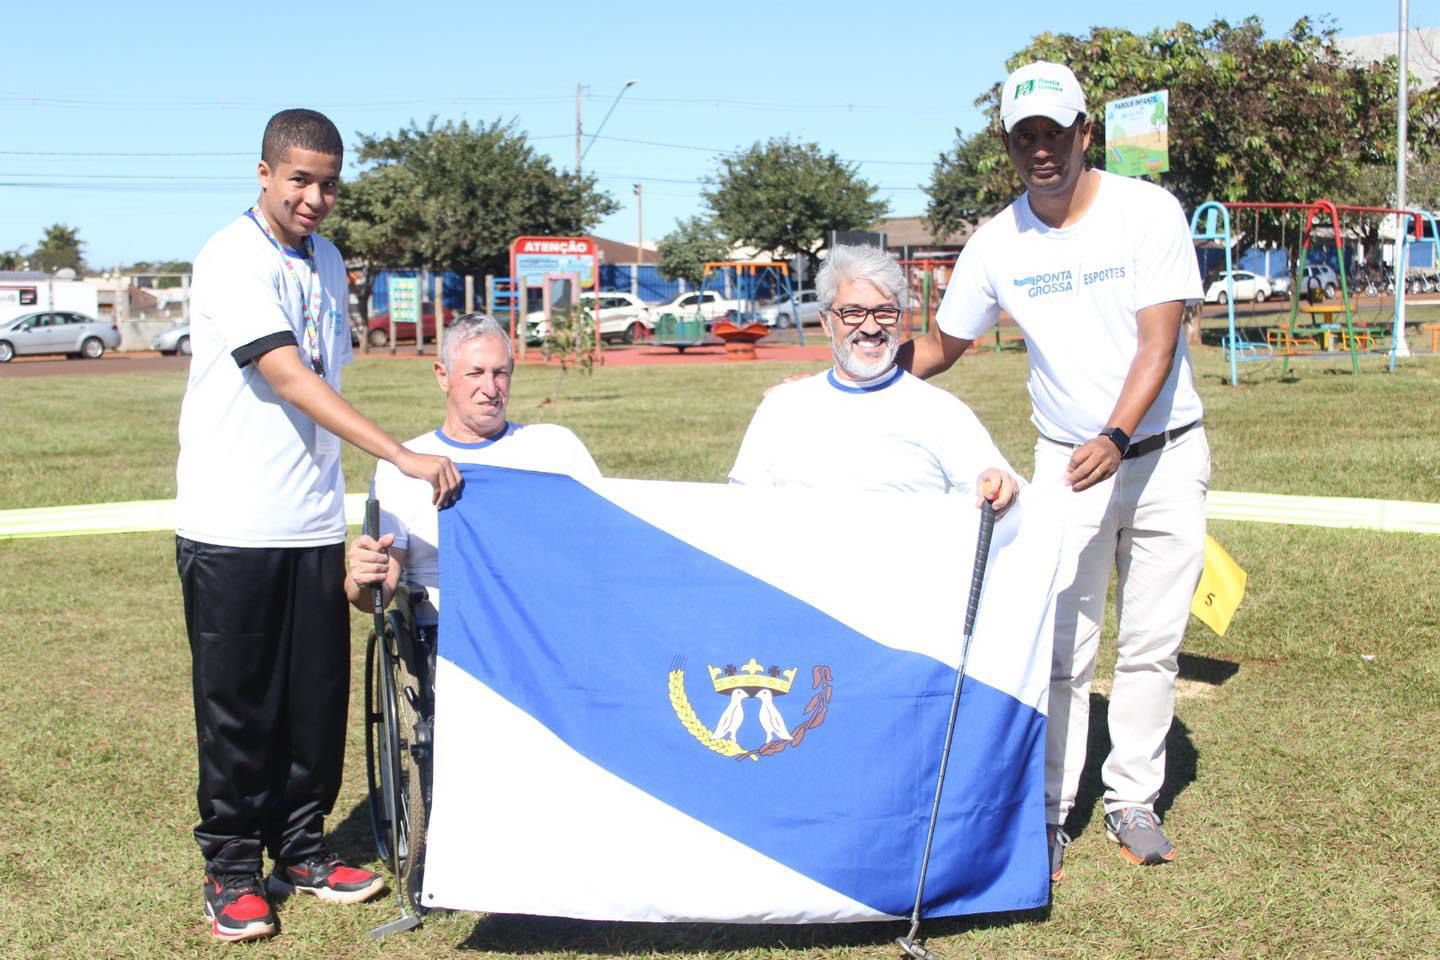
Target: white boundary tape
(1394,516)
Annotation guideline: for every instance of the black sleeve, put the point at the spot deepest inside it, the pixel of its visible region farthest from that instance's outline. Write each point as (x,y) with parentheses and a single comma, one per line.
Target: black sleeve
(256,349)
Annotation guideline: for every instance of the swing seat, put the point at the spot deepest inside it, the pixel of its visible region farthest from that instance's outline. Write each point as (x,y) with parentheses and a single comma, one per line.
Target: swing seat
(1244,351)
(1292,341)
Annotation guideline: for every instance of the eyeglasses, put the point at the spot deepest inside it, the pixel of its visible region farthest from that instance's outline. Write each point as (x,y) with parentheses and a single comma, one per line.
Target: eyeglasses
(887,315)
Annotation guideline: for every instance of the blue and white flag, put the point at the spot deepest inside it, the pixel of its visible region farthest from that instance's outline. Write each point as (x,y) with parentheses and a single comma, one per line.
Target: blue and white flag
(679,701)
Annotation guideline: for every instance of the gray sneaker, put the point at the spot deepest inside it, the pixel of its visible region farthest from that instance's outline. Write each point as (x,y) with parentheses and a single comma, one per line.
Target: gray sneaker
(1137,830)
(1059,840)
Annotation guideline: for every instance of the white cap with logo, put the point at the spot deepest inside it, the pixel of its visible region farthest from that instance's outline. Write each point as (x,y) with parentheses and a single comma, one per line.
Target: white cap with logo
(1041,89)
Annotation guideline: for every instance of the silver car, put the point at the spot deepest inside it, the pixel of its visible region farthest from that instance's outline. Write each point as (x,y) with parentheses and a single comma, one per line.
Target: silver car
(176,340)
(57,331)
(781,314)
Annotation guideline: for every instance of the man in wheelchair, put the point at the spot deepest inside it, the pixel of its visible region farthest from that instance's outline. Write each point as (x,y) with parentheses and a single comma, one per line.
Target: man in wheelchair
(474,370)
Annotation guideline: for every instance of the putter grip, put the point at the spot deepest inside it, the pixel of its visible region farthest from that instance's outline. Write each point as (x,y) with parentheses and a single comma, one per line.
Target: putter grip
(372,529)
(982,557)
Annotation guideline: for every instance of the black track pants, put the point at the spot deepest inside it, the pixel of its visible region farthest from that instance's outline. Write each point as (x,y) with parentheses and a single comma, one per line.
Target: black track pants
(270,655)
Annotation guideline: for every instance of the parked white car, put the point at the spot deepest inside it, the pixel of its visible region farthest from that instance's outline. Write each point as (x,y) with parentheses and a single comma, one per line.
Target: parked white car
(623,318)
(57,331)
(1247,286)
(711,305)
(782,314)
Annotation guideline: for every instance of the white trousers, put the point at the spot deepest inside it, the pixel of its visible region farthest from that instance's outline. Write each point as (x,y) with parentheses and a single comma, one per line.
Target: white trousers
(1147,522)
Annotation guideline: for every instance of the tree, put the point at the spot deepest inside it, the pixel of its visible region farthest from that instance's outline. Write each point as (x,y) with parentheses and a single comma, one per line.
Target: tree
(13,259)
(372,223)
(453,197)
(571,340)
(686,249)
(783,196)
(59,248)
(967,184)
(1288,119)
(1422,184)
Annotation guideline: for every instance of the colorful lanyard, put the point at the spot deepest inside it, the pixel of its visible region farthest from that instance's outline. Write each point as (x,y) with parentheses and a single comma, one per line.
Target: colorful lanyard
(308,303)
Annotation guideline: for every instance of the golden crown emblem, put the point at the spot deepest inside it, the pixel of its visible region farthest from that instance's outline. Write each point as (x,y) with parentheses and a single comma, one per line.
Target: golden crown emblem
(751,678)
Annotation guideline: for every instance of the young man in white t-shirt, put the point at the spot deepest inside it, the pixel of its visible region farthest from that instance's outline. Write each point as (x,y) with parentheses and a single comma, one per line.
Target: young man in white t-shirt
(866,424)
(1096,270)
(474,370)
(260,535)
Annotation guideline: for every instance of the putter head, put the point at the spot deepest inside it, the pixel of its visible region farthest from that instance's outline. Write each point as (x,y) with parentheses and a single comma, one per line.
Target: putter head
(401,924)
(914,949)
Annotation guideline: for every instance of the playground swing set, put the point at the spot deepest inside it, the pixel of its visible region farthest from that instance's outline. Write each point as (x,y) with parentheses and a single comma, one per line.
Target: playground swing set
(1317,338)
(552,272)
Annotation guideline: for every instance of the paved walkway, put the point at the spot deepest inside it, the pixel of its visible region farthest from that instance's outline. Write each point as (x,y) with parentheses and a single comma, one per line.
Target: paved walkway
(646,355)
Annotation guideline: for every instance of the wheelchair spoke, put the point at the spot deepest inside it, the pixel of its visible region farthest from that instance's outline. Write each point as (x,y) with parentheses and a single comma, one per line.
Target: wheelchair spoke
(414,798)
(375,749)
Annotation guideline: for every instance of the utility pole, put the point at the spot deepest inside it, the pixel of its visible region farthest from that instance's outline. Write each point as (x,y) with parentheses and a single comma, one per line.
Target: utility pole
(578,88)
(122,297)
(1402,110)
(639,240)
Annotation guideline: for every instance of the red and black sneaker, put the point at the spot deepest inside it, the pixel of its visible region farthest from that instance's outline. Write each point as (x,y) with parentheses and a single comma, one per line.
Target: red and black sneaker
(327,877)
(237,908)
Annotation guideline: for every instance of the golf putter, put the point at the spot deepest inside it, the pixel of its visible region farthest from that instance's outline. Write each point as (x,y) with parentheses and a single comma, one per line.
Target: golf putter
(406,920)
(977,579)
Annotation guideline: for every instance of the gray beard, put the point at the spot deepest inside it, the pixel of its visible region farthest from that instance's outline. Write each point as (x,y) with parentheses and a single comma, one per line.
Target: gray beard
(846,361)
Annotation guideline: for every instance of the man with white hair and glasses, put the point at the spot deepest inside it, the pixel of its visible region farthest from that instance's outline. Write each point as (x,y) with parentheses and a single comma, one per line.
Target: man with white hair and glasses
(866,424)
(476,361)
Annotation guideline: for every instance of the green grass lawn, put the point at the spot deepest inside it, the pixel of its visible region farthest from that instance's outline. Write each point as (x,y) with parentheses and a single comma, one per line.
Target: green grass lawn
(1303,763)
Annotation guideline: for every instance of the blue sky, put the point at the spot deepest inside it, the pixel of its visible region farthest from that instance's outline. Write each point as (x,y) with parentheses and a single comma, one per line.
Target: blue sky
(185,90)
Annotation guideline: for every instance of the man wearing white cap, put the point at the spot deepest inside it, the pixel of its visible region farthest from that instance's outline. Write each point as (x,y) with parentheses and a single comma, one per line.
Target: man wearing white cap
(1096,270)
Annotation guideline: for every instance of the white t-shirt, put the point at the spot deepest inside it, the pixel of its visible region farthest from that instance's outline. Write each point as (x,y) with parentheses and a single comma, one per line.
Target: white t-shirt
(1074,292)
(254,471)
(407,510)
(900,433)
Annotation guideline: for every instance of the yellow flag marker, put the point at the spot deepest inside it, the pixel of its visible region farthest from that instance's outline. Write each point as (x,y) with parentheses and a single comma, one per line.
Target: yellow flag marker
(1222,587)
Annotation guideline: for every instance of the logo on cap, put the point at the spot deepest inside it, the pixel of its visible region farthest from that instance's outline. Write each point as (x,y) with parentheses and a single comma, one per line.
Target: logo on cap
(1026,87)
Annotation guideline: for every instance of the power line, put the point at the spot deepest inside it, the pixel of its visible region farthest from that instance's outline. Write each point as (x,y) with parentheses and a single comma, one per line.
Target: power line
(229,185)
(130,176)
(635,177)
(675,146)
(127,187)
(719,150)
(122,153)
(785,106)
(222,102)
(167,154)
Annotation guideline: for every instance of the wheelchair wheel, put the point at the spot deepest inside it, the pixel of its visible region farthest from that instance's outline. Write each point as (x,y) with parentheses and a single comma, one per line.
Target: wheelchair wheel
(413,796)
(382,748)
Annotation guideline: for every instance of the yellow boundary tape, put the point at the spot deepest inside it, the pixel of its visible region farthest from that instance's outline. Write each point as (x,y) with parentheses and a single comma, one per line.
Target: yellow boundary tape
(133,516)
(1393,516)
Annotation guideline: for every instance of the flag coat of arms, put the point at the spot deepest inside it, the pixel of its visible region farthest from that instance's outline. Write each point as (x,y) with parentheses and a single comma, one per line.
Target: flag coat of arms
(676,701)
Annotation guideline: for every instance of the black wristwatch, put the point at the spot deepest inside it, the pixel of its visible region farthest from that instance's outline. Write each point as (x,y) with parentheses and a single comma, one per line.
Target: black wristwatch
(1119,437)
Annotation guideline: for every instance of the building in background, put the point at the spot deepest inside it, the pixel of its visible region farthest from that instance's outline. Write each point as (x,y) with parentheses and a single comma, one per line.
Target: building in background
(28,291)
